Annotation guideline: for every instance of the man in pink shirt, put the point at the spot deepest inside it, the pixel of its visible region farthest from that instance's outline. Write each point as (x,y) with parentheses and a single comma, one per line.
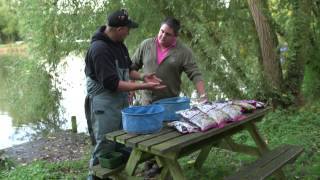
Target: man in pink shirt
(167,57)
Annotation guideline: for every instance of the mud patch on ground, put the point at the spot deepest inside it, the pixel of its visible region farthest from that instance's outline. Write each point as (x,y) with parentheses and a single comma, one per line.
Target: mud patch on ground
(56,147)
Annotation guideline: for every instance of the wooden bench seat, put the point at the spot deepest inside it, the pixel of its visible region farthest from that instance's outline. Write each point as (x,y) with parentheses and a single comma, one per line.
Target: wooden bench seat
(268,163)
(104,173)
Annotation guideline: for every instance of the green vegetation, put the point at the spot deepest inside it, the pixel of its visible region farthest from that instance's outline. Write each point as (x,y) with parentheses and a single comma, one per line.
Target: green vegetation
(291,126)
(9,30)
(44,170)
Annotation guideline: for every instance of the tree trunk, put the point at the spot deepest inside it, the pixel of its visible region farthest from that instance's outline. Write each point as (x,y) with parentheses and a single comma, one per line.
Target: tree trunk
(268,44)
(299,45)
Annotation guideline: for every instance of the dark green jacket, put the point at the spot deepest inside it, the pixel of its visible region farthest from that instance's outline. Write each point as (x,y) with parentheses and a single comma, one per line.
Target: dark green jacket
(179,59)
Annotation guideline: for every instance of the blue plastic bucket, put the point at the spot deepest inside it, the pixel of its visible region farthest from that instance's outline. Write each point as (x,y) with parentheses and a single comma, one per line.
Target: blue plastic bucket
(172,105)
(142,119)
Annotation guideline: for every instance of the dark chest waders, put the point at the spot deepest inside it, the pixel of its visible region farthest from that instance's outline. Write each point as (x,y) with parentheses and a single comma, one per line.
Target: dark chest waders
(104,110)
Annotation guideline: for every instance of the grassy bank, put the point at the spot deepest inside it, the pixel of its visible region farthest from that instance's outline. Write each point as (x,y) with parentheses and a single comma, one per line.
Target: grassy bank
(280,127)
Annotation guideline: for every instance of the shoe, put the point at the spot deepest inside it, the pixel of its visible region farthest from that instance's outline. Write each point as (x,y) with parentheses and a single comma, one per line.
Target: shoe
(151,172)
(148,165)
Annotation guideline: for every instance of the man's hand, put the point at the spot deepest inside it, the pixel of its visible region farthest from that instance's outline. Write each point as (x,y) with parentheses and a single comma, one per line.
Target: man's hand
(155,86)
(153,82)
(151,77)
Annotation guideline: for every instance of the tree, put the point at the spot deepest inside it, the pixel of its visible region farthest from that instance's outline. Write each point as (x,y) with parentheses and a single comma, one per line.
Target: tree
(299,37)
(268,44)
(8,22)
(300,45)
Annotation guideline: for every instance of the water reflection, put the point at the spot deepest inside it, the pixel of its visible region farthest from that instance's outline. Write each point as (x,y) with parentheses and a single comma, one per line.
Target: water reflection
(10,135)
(72,78)
(73,82)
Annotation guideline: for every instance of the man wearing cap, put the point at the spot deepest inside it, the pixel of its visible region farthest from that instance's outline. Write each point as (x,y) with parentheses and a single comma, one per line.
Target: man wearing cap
(168,57)
(107,72)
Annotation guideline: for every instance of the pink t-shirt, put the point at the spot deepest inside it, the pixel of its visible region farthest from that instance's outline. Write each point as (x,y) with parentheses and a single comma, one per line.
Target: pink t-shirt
(162,53)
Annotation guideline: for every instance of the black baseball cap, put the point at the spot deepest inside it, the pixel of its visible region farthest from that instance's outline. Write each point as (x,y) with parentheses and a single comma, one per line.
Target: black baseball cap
(121,18)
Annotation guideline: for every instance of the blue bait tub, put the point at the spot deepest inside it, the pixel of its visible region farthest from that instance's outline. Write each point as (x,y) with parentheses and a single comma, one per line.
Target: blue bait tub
(172,105)
(142,119)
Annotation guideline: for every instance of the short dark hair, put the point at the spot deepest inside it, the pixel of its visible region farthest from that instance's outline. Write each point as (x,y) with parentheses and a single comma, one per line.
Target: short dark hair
(172,23)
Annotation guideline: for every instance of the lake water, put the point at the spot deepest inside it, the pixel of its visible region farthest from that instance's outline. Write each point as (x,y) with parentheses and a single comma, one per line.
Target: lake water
(71,74)
(10,135)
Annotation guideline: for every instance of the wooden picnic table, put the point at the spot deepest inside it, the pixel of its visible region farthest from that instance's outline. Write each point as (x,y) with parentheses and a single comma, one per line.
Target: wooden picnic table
(168,145)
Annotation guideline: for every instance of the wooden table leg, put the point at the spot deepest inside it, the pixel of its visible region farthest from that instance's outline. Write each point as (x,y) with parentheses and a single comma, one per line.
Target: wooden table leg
(165,171)
(133,161)
(174,168)
(261,144)
(204,152)
(229,144)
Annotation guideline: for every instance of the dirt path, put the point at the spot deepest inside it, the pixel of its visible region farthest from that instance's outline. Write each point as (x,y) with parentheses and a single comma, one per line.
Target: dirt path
(56,147)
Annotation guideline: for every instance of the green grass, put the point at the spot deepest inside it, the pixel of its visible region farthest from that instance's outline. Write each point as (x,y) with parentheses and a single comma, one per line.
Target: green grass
(45,170)
(293,126)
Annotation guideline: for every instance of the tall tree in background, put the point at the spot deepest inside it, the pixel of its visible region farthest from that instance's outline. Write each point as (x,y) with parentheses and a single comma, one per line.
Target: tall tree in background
(268,43)
(300,47)
(298,37)
(311,83)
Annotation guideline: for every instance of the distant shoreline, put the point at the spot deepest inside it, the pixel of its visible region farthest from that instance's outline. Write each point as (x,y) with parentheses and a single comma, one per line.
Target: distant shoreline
(13,48)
